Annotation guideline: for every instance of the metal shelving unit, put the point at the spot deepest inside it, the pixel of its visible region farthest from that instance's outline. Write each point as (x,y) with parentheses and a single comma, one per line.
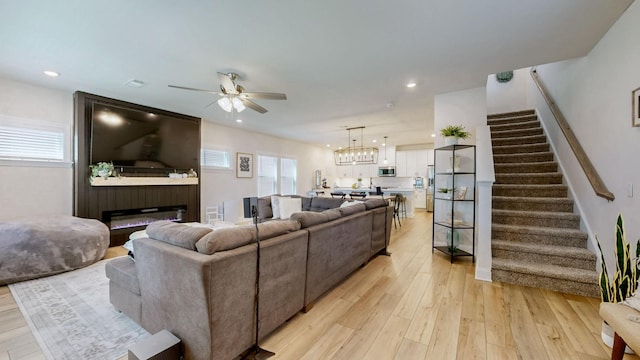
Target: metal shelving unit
(454,211)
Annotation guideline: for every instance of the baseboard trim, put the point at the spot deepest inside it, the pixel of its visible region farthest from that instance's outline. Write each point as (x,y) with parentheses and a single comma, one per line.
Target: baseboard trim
(483,274)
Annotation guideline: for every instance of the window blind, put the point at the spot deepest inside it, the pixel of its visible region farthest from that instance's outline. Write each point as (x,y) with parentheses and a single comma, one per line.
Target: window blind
(31,144)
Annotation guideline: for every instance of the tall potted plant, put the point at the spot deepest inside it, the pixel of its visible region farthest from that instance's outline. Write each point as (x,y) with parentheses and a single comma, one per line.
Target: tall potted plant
(625,280)
(452,133)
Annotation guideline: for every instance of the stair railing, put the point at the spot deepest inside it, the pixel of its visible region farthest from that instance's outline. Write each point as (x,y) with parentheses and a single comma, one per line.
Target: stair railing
(596,182)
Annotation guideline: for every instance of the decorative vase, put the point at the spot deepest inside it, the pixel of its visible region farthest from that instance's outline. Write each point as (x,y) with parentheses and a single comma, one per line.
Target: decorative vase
(450,140)
(607,337)
(453,240)
(454,163)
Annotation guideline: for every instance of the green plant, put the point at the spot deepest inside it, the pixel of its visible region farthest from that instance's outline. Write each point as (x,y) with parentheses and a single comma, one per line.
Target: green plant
(445,190)
(456,131)
(625,280)
(101,169)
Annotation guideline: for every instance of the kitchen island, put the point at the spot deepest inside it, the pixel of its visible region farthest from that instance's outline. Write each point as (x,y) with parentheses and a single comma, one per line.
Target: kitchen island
(407,192)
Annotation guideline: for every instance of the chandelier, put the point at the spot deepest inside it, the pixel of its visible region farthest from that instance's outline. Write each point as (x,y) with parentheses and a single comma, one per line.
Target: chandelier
(354,155)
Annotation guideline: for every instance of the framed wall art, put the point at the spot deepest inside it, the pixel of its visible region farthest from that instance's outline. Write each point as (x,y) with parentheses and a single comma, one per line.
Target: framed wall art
(244,165)
(635,107)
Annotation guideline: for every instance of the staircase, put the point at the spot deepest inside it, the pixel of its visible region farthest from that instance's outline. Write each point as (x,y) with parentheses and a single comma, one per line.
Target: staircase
(536,237)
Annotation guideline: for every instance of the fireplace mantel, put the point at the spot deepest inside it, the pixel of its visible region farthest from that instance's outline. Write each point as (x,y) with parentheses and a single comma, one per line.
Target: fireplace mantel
(138,181)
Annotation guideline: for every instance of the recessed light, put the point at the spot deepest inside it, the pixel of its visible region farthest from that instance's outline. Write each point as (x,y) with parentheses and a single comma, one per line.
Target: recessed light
(328,145)
(411,84)
(238,120)
(433,135)
(374,140)
(51,73)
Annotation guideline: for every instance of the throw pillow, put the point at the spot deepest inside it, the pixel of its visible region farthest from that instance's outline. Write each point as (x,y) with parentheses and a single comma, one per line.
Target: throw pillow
(288,206)
(275,206)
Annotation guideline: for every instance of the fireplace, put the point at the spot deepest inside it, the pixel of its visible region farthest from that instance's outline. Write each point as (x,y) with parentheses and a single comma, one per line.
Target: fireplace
(135,218)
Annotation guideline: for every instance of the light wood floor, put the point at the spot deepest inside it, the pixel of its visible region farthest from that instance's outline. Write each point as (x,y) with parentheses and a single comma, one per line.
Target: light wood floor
(412,305)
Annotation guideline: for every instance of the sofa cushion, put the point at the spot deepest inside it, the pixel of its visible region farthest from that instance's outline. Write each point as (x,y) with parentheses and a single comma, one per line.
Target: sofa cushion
(352,209)
(332,214)
(176,234)
(234,237)
(289,206)
(323,203)
(375,203)
(264,207)
(309,218)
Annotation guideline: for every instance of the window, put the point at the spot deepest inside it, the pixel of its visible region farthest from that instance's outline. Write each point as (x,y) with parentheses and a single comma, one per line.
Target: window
(277,175)
(267,175)
(211,158)
(288,176)
(28,141)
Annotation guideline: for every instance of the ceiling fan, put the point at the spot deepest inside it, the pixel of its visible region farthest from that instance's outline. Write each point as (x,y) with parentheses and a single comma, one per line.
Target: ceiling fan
(234,96)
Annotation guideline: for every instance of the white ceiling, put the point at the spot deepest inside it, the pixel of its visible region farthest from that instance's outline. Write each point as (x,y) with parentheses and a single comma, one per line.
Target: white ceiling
(339,62)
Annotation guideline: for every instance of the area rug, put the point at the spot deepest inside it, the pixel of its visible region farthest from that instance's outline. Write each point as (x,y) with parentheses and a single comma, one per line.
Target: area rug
(71,317)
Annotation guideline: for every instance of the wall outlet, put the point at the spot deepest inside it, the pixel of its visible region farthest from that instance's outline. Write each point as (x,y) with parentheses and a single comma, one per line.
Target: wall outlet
(630,190)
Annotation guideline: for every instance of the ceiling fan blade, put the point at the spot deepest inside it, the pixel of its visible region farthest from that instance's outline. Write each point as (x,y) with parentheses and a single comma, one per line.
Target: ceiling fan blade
(227,83)
(194,89)
(253,106)
(263,95)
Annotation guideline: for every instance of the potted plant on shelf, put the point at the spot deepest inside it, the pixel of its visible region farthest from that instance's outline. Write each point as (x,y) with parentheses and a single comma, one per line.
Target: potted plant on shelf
(452,133)
(625,280)
(448,192)
(101,169)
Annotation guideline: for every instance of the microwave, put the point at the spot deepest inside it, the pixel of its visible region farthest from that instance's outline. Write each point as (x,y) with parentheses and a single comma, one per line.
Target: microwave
(387,171)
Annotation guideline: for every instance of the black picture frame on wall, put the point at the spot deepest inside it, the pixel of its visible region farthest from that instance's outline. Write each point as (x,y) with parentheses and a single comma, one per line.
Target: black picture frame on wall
(635,107)
(244,165)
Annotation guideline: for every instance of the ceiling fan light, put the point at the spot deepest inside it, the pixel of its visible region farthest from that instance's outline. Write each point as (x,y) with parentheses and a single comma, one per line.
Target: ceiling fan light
(225,104)
(237,103)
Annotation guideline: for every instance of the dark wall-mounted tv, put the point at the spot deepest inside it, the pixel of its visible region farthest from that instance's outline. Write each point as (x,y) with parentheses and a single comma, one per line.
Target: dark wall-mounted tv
(139,140)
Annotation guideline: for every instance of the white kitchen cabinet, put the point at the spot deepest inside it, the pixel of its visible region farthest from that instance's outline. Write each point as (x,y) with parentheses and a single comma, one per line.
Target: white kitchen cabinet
(412,163)
(420,198)
(430,157)
(401,163)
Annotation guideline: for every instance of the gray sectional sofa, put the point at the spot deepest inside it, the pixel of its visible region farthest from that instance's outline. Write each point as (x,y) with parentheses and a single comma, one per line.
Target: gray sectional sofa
(199,283)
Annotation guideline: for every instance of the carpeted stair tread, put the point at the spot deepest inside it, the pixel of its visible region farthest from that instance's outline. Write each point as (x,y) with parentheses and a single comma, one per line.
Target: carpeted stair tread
(538,167)
(519,140)
(553,277)
(526,112)
(530,190)
(539,230)
(554,250)
(536,218)
(558,204)
(551,178)
(520,148)
(523,157)
(516,133)
(515,126)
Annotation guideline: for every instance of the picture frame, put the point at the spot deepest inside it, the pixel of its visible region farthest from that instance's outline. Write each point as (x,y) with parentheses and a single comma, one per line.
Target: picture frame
(635,108)
(462,193)
(244,165)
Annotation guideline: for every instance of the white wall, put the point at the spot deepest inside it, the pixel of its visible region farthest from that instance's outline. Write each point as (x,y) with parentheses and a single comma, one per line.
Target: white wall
(31,191)
(594,94)
(218,186)
(509,96)
(467,108)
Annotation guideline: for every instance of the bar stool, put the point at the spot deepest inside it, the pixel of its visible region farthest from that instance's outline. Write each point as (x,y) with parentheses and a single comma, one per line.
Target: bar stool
(396,200)
(403,206)
(358,195)
(338,194)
